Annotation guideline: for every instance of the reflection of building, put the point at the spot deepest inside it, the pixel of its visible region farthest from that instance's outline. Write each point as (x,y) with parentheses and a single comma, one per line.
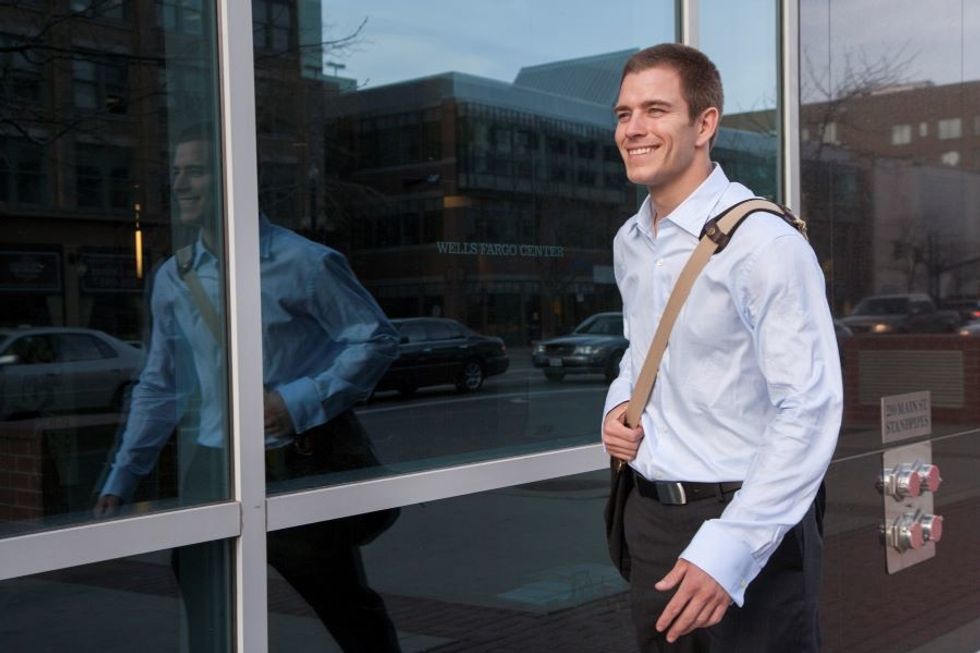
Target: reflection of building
(918,145)
(87,115)
(492,202)
(889,176)
(485,201)
(80,134)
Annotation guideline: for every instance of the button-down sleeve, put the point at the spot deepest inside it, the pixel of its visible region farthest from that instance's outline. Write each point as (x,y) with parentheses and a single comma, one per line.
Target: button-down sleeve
(781,296)
(362,344)
(154,408)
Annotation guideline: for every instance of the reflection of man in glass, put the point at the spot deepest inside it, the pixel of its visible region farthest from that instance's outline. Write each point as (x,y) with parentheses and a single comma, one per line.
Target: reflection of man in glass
(325,345)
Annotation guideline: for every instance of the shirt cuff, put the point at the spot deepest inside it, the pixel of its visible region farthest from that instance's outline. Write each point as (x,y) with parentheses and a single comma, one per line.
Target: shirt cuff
(619,391)
(121,483)
(302,399)
(729,561)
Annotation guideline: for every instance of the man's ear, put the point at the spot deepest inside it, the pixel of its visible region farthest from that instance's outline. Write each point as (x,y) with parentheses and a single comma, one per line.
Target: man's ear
(707,126)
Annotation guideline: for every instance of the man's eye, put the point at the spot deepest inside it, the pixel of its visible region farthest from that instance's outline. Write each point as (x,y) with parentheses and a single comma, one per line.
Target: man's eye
(622,116)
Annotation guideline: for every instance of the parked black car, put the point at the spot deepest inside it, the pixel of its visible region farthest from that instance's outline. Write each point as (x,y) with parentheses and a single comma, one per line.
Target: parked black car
(595,346)
(437,351)
(908,313)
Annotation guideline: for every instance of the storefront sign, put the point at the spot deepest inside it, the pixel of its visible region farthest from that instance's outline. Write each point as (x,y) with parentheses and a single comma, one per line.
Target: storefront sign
(28,271)
(109,273)
(906,416)
(499,249)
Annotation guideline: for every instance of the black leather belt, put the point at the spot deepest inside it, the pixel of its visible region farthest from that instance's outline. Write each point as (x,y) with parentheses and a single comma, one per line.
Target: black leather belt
(679,493)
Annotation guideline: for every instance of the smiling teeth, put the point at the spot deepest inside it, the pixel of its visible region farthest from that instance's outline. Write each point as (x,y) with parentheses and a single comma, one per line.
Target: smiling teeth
(641,150)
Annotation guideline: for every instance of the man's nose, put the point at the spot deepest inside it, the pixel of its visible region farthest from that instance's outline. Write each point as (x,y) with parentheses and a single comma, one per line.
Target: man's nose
(635,125)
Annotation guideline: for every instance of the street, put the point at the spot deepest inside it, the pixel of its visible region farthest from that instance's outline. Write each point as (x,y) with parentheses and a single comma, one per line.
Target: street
(513,413)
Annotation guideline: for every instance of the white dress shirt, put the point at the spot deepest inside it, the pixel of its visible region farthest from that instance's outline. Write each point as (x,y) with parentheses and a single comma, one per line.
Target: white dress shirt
(750,386)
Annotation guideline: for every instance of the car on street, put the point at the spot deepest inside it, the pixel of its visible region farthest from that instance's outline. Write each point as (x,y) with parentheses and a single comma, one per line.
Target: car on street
(595,347)
(971,329)
(437,351)
(45,370)
(901,313)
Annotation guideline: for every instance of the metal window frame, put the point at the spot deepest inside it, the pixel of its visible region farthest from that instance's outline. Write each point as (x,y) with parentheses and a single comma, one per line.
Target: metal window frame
(244,323)
(35,553)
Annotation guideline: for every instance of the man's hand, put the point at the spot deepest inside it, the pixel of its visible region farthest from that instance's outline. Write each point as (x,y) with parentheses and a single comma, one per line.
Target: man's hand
(699,602)
(620,440)
(107,506)
(278,423)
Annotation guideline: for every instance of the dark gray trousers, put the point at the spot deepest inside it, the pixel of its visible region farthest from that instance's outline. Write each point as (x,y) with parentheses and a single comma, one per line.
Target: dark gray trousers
(780,609)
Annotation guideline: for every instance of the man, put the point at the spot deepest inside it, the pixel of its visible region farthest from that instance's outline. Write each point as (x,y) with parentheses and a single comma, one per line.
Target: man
(325,344)
(738,433)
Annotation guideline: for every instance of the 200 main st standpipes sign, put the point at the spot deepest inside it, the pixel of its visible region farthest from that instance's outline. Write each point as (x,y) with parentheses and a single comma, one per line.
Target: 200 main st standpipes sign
(499,249)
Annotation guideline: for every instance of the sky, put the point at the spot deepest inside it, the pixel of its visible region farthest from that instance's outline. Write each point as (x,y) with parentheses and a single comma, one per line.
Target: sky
(406,40)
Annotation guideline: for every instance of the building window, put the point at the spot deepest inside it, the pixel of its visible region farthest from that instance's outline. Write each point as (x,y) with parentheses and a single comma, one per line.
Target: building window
(976,125)
(805,134)
(950,128)
(100,85)
(114,9)
(181,16)
(901,134)
(923,129)
(272,24)
(22,174)
(830,133)
(951,158)
(20,78)
(102,177)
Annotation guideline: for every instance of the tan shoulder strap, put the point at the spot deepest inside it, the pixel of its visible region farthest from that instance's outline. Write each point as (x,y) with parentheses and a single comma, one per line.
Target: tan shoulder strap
(185,261)
(715,236)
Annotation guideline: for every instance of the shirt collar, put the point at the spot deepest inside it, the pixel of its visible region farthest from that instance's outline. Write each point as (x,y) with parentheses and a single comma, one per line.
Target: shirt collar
(694,211)
(266,234)
(699,206)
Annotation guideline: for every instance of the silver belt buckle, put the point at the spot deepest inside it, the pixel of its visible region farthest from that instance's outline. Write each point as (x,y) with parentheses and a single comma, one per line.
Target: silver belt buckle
(671,494)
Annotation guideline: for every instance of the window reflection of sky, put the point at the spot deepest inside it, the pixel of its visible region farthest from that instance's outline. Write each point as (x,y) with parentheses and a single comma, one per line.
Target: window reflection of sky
(916,35)
(493,40)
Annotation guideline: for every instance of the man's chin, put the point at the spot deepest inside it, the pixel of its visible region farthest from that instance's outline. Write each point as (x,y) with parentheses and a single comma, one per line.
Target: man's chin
(193,220)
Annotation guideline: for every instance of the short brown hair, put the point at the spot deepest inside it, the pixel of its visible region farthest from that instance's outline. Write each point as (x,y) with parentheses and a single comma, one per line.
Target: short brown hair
(700,80)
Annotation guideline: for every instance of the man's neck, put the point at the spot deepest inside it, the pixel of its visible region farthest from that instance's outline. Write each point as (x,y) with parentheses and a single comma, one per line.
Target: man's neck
(665,199)
(209,240)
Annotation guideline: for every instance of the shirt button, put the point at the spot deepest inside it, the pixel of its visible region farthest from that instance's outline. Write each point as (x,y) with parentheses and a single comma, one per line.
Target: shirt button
(660,262)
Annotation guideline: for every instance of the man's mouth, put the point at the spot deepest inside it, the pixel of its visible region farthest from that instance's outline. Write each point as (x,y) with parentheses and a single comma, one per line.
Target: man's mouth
(640,151)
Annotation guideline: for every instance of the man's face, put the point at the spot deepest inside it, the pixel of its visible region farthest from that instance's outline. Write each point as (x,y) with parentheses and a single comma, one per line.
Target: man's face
(193,182)
(654,131)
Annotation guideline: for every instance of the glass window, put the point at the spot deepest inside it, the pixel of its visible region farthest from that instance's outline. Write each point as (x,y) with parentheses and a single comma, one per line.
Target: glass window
(118,386)
(896,233)
(23,172)
(20,75)
(181,16)
(507,570)
(901,134)
(434,173)
(169,600)
(77,347)
(949,128)
(746,146)
(442,330)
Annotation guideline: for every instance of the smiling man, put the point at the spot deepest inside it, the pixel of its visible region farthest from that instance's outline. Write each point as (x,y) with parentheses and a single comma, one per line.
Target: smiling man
(724,524)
